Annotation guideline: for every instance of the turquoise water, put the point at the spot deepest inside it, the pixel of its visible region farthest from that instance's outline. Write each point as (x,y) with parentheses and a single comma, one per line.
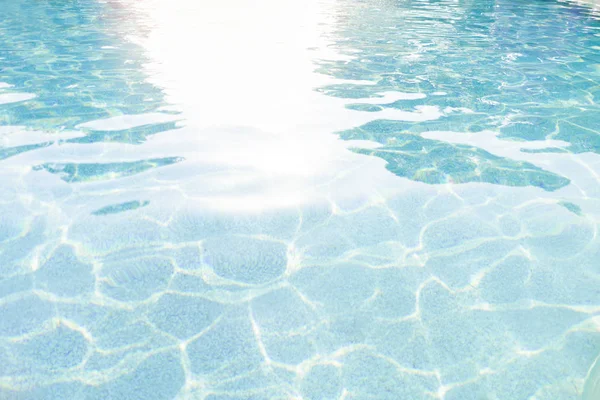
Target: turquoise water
(327,199)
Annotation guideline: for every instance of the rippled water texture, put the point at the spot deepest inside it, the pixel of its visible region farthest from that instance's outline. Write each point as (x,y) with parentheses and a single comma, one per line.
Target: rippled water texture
(319,199)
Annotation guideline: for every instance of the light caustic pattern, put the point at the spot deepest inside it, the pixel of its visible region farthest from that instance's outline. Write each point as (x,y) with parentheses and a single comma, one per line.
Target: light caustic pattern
(417,219)
(276,306)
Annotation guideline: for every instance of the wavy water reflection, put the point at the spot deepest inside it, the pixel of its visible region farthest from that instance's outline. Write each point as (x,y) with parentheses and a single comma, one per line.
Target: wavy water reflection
(344,199)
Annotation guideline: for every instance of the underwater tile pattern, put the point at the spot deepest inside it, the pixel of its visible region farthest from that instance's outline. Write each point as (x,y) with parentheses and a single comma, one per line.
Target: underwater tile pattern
(414,215)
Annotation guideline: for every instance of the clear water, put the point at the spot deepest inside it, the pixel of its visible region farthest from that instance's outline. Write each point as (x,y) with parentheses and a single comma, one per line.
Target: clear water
(336,199)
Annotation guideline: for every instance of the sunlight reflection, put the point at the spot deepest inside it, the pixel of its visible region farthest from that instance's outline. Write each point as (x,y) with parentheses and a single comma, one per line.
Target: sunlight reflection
(242,73)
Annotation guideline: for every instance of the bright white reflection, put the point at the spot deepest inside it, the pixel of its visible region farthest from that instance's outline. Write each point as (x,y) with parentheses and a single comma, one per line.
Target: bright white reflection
(236,62)
(595,4)
(254,132)
(242,72)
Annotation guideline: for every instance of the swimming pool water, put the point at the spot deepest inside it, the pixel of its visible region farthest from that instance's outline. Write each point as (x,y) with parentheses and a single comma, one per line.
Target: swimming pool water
(328,199)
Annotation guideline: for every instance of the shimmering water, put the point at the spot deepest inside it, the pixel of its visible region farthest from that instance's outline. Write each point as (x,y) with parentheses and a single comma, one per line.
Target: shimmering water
(273,199)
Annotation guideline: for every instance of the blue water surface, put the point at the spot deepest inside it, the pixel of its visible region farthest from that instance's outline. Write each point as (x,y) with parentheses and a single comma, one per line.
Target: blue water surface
(327,199)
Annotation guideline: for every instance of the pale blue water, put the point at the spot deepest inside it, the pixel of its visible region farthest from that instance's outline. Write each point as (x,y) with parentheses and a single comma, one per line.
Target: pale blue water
(336,199)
